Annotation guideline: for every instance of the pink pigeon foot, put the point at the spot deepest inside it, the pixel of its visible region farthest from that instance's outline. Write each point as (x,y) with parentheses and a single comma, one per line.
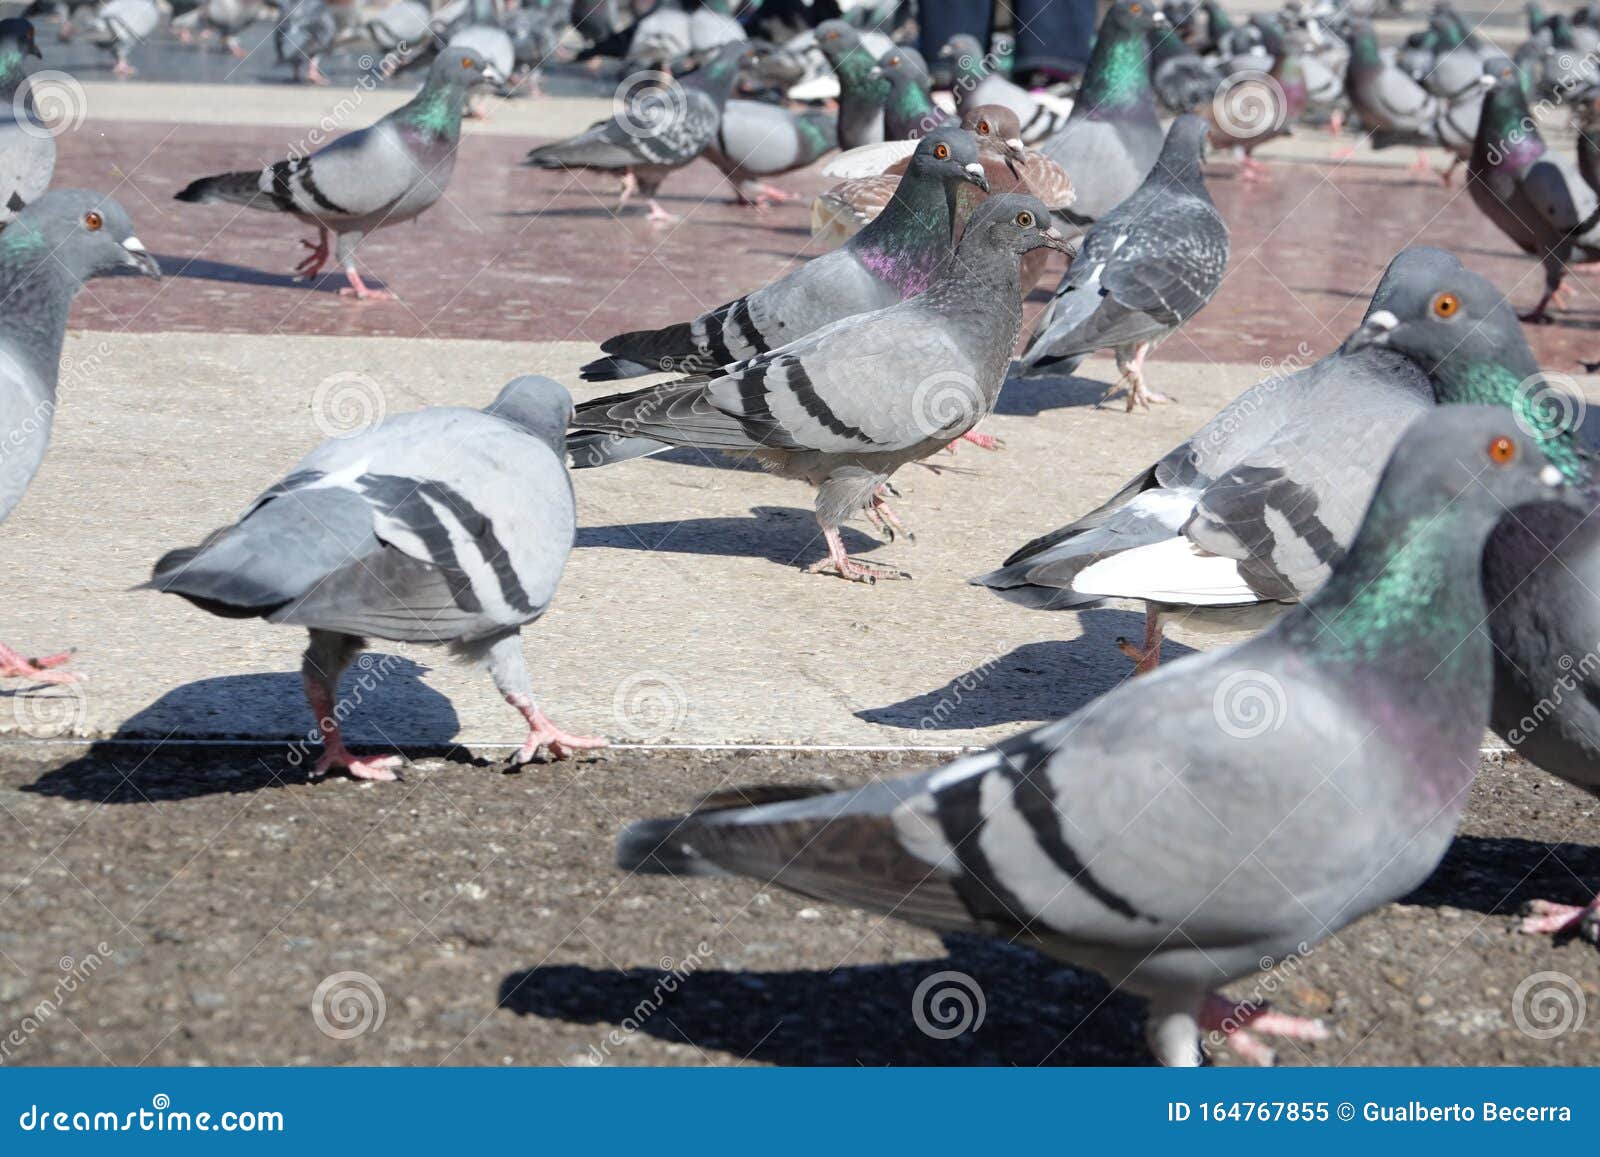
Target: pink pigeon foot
(851,569)
(185,36)
(313,262)
(1253,170)
(38,670)
(123,68)
(1240,1024)
(314,75)
(1148,657)
(380,768)
(776,195)
(658,215)
(358,289)
(543,733)
(882,516)
(982,441)
(1543,917)
(236,48)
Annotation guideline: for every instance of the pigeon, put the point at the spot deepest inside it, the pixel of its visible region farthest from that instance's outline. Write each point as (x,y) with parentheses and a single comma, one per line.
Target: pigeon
(402,533)
(1246,516)
(908,112)
(841,212)
(862,90)
(66,10)
(757,140)
(403,30)
(1587,119)
(1183,80)
(47,251)
(1165,836)
(661,37)
(659,130)
(381,175)
(711,25)
(27,147)
(1396,110)
(483,37)
(892,260)
(1010,167)
(1143,270)
(227,18)
(1251,109)
(1534,195)
(977,84)
(306,31)
(119,25)
(1541,566)
(847,405)
(1113,135)
(535,37)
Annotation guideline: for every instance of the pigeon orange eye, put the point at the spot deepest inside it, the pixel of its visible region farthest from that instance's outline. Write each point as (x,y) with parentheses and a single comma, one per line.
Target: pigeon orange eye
(894,62)
(1135,8)
(1447,305)
(92,221)
(1502,450)
(468,62)
(1025,219)
(983,127)
(942,152)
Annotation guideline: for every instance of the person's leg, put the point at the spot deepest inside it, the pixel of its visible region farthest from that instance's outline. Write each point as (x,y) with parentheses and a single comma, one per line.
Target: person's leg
(937,23)
(1053,37)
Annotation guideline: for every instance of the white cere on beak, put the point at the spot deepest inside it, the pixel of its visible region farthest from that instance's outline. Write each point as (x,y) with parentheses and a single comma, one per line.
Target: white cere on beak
(1383,320)
(133,245)
(1550,476)
(1015,143)
(975,169)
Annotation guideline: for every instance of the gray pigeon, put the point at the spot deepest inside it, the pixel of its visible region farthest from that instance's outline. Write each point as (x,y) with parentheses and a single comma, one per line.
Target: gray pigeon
(711,25)
(1144,269)
(1169,836)
(888,261)
(862,89)
(660,130)
(1247,516)
(1396,110)
(1113,135)
(372,177)
(27,147)
(445,526)
(120,25)
(226,18)
(306,31)
(844,407)
(757,140)
(660,37)
(1532,193)
(908,111)
(1541,568)
(47,252)
(976,84)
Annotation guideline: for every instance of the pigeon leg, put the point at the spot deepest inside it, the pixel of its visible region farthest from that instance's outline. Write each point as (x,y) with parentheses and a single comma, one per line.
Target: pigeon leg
(185,36)
(325,659)
(313,262)
(775,194)
(1133,372)
(1447,177)
(509,670)
(233,46)
(15,666)
(1336,121)
(658,215)
(852,569)
(1148,657)
(1252,170)
(123,68)
(982,441)
(314,74)
(1539,314)
(881,515)
(358,288)
(1547,918)
(1420,165)
(630,186)
(1240,1023)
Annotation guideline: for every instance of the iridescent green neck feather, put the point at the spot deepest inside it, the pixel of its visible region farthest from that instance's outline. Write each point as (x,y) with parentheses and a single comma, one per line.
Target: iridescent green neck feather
(1539,408)
(1118,75)
(436,110)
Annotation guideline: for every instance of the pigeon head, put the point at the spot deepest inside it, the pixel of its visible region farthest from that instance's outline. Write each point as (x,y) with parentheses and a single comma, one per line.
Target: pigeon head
(1015,223)
(16,41)
(837,39)
(967,54)
(900,68)
(1134,17)
(949,154)
(539,405)
(773,64)
(1507,132)
(80,233)
(462,68)
(999,126)
(1414,265)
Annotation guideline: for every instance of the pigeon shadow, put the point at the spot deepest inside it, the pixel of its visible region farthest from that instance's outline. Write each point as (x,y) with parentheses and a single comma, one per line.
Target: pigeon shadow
(1034,1011)
(205,269)
(1035,683)
(784,535)
(383,697)
(1025,397)
(1497,875)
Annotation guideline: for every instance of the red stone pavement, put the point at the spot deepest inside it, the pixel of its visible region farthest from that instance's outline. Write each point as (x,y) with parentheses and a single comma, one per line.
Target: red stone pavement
(516,254)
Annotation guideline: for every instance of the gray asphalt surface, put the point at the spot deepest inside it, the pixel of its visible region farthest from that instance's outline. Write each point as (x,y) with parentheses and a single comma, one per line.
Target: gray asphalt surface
(214,907)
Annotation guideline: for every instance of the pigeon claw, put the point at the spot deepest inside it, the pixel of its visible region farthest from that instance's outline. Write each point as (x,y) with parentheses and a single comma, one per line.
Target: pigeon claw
(1547,918)
(36,670)
(376,767)
(543,733)
(1242,1026)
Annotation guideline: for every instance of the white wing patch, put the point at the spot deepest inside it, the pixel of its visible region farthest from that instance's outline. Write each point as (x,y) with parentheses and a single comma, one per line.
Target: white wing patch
(1171,571)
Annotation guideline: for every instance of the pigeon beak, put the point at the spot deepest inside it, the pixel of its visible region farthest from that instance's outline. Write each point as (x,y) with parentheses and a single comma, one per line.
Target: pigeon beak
(974,173)
(33,50)
(1158,18)
(875,73)
(1014,155)
(138,257)
(491,75)
(1374,331)
(1056,240)
(1552,477)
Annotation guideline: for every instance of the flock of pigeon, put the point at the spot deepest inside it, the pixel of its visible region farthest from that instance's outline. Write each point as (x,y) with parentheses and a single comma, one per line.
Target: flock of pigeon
(1409,518)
